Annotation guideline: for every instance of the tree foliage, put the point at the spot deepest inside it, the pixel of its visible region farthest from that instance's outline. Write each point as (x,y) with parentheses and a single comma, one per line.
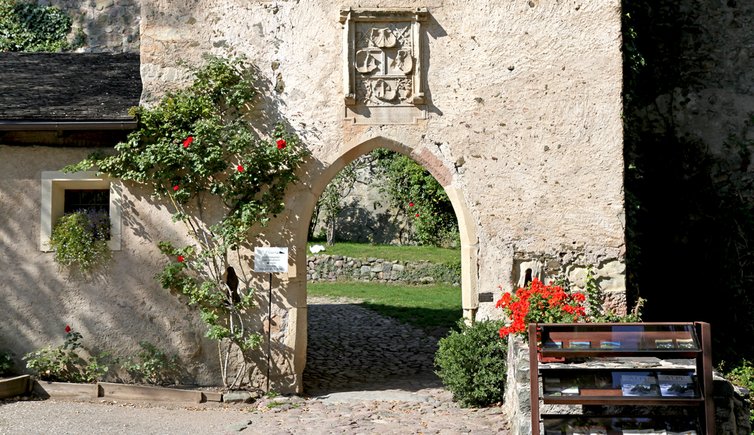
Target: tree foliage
(198,149)
(331,202)
(29,27)
(418,198)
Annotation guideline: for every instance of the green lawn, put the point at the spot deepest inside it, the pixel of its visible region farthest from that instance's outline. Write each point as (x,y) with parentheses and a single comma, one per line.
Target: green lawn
(428,306)
(393,252)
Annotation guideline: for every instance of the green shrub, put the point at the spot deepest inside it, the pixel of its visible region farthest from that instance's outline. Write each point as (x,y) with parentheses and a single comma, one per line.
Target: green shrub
(6,363)
(471,363)
(153,366)
(63,363)
(743,375)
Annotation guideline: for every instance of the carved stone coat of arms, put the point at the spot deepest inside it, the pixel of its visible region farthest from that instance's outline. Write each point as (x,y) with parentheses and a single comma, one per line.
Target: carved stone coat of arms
(383,68)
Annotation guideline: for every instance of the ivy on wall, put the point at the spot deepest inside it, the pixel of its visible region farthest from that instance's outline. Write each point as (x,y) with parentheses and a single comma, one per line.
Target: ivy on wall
(28,27)
(417,197)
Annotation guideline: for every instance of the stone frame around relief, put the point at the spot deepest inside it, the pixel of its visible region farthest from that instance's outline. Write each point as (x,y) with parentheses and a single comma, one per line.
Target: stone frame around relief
(383,65)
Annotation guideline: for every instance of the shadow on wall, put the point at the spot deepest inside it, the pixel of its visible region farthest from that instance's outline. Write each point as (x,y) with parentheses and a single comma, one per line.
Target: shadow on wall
(357,223)
(124,304)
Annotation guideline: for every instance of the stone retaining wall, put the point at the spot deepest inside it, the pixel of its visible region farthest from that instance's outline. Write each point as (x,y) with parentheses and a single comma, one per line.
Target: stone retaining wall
(338,267)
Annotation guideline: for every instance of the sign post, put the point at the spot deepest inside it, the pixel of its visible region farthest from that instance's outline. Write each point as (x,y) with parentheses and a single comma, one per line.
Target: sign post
(270,260)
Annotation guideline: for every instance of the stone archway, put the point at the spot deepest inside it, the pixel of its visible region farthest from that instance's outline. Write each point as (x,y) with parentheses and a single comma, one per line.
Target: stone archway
(303,206)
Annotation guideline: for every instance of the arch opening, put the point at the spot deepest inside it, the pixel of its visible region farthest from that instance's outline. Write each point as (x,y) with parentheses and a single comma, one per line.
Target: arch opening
(467,250)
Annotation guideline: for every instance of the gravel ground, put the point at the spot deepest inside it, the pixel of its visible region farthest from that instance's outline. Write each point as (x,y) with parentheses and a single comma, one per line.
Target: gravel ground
(366,374)
(349,413)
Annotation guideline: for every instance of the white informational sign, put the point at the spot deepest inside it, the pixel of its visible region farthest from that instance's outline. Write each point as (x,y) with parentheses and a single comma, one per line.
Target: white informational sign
(271,260)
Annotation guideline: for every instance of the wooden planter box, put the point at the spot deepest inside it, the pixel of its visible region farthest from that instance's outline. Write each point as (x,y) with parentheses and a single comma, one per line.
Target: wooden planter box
(13,387)
(66,390)
(209,396)
(141,392)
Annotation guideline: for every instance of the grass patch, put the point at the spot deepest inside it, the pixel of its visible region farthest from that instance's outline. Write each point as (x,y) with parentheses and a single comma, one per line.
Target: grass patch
(429,306)
(394,252)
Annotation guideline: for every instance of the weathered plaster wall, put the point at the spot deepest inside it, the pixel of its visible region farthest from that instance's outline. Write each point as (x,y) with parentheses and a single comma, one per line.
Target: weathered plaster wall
(523,125)
(114,310)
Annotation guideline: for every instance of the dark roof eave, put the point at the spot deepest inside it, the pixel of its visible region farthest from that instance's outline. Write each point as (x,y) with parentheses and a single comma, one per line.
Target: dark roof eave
(125,124)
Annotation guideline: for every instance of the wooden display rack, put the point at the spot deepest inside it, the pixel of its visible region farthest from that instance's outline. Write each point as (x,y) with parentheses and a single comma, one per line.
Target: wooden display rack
(570,343)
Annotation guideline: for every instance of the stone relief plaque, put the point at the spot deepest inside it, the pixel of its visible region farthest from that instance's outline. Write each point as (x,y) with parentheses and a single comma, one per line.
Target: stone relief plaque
(383,68)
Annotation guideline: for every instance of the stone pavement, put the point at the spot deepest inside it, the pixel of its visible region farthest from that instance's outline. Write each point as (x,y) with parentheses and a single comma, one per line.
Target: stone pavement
(366,374)
(352,348)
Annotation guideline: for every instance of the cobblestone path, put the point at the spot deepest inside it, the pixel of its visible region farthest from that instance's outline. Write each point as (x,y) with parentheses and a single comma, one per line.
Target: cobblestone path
(352,348)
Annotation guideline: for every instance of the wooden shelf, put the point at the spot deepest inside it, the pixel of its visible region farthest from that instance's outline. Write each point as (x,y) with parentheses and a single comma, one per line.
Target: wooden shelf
(622,400)
(576,343)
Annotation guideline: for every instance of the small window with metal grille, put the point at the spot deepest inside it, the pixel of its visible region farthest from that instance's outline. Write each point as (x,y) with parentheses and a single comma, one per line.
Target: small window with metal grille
(95,203)
(88,192)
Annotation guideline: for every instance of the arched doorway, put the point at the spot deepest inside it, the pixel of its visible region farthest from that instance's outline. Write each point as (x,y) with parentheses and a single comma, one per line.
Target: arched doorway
(305,202)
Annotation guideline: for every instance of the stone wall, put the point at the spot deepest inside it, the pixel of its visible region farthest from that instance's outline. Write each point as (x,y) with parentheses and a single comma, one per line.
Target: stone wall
(504,107)
(106,25)
(690,164)
(337,267)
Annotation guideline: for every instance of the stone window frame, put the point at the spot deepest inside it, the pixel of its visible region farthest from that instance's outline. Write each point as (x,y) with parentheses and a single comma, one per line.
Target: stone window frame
(54,185)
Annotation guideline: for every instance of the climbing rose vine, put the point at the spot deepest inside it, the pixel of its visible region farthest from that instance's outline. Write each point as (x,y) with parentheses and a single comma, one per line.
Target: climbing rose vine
(539,303)
(198,149)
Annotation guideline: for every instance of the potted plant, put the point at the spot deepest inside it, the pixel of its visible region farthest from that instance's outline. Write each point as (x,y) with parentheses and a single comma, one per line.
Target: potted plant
(80,239)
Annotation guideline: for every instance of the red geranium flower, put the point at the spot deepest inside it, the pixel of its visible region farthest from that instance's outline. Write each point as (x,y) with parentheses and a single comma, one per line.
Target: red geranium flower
(67,329)
(240,168)
(188,141)
(175,188)
(410,204)
(540,303)
(417,214)
(281,143)
(180,258)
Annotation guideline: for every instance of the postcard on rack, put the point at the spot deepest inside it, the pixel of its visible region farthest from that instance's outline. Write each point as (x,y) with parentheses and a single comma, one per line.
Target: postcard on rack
(604,344)
(639,386)
(554,387)
(587,430)
(644,432)
(664,343)
(676,386)
(685,343)
(580,344)
(549,344)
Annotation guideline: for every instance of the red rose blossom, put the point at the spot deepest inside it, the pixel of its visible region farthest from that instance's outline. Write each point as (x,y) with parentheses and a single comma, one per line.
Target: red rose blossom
(240,168)
(281,143)
(410,204)
(67,329)
(417,214)
(188,141)
(180,258)
(175,188)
